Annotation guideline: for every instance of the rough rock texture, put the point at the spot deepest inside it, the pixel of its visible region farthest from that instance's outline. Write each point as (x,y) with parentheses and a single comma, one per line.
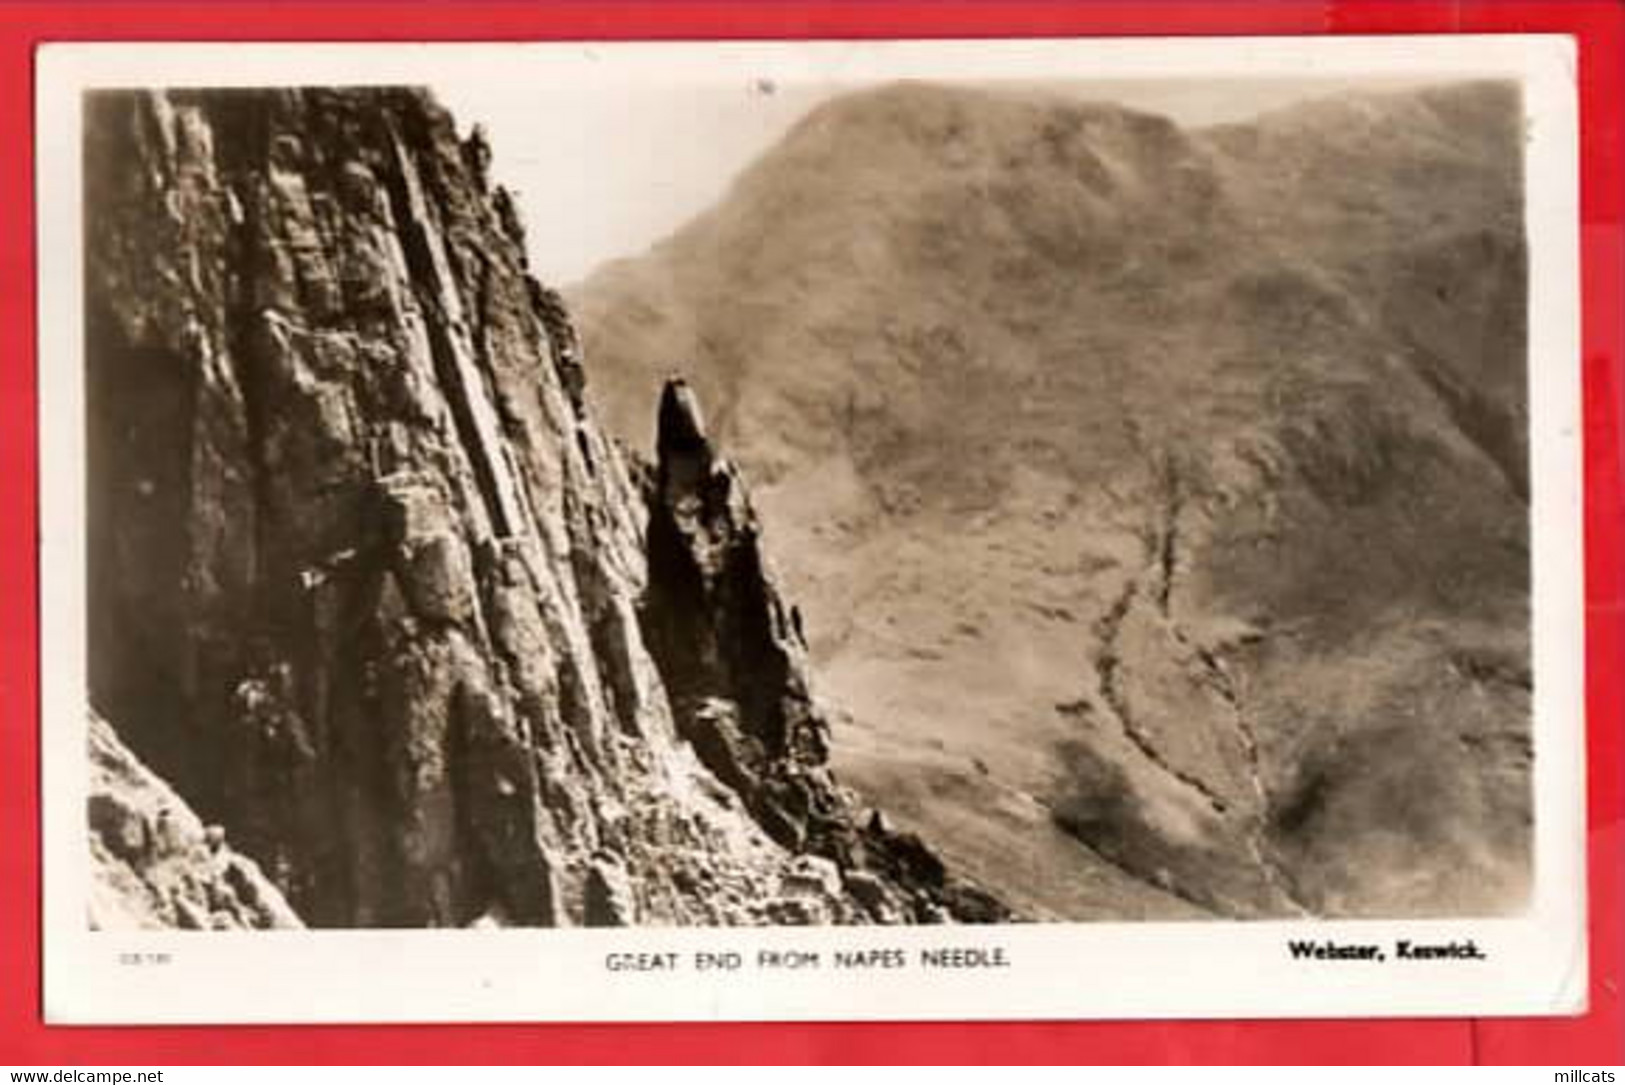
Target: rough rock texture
(735,663)
(154,864)
(365,576)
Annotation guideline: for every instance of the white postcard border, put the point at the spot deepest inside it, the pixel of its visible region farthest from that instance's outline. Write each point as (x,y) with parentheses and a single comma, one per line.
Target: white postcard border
(1537,963)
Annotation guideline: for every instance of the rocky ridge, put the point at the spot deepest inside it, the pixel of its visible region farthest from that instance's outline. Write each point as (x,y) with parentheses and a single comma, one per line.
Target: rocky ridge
(155,865)
(373,593)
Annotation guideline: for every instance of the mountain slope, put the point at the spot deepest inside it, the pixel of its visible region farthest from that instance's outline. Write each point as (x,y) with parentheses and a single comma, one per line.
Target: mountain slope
(1156,498)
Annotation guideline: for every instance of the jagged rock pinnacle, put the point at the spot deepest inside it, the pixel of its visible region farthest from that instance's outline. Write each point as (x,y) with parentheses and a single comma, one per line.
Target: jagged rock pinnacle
(734,660)
(681,426)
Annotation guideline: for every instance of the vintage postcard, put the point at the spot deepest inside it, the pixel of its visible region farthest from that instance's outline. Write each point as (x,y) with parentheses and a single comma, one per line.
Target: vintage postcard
(811,530)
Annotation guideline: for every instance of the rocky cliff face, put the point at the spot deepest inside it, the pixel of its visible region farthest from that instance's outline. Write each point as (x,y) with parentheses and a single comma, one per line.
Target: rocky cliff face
(155,865)
(733,656)
(372,592)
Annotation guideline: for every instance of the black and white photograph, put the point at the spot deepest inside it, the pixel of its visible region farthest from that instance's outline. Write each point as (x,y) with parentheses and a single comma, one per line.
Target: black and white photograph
(673,505)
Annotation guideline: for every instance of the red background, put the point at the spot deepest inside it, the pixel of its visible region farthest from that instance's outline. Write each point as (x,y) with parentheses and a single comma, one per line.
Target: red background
(1597,1037)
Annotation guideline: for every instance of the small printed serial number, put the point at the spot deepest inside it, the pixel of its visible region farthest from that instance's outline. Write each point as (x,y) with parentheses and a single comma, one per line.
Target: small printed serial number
(139,959)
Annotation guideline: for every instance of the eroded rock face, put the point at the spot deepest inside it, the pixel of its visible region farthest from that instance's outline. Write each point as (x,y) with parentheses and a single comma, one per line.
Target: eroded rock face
(366,577)
(154,864)
(735,662)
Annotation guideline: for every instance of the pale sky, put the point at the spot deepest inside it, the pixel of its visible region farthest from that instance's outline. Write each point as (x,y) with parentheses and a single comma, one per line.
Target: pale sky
(604,170)
(610,147)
